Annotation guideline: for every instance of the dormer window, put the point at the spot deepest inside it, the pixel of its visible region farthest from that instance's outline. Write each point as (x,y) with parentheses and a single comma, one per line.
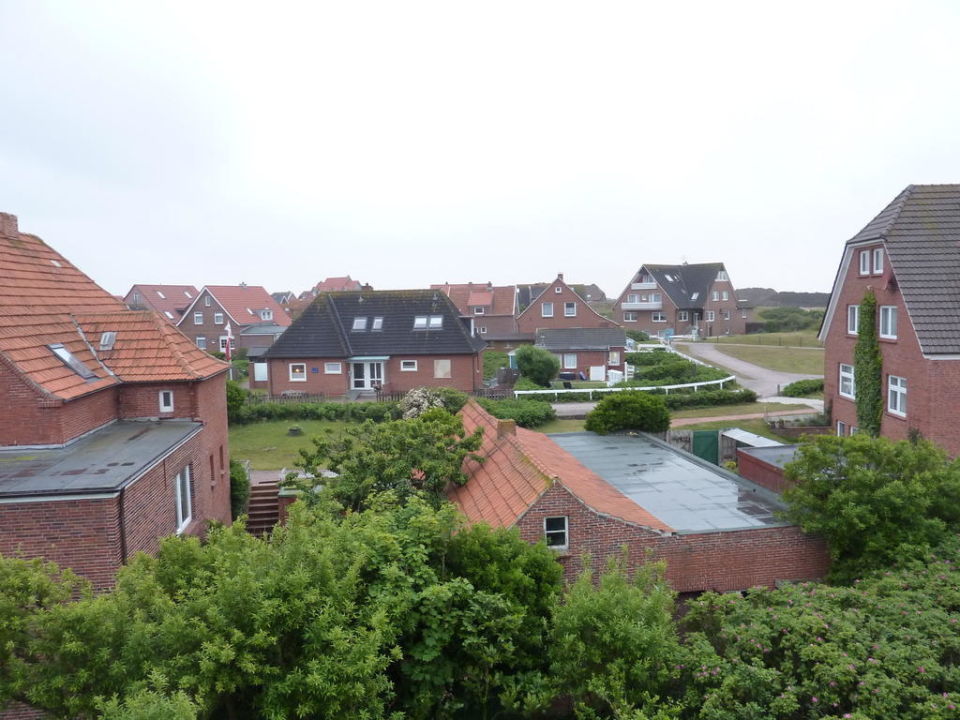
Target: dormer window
(71,362)
(479,310)
(266,314)
(377,324)
(360,323)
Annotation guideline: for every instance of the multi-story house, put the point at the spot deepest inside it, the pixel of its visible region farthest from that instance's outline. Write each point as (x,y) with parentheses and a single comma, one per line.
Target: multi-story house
(113,430)
(169,300)
(558,306)
(255,318)
(491,310)
(908,257)
(355,343)
(681,300)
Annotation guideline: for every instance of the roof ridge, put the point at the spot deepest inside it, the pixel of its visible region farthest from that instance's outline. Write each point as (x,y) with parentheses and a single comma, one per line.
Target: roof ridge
(331,308)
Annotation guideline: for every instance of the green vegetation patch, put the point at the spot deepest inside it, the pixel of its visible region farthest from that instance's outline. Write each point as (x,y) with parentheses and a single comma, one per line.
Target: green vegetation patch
(803,361)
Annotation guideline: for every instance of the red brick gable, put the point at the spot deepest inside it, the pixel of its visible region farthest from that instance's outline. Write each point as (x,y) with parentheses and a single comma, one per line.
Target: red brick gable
(497,300)
(241,303)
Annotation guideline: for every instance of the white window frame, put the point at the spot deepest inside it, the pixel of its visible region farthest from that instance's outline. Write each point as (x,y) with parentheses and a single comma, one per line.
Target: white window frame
(290,374)
(557,290)
(420,322)
(853,319)
(218,318)
(261,372)
(841,428)
(897,395)
(725,295)
(377,323)
(715,295)
(888,322)
(359,323)
(202,342)
(878,261)
(567,307)
(711,316)
(658,317)
(865,262)
(408,366)
(182,491)
(435,322)
(633,298)
(438,373)
(569,361)
(198,318)
(333,368)
(722,276)
(206,301)
(224,339)
(483,330)
(479,310)
(562,534)
(544,307)
(682,316)
(166,403)
(266,314)
(629,317)
(613,358)
(847,372)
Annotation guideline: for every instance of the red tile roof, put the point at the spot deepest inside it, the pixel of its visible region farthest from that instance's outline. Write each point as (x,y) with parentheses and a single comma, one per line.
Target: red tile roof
(520,467)
(42,300)
(243,303)
(337,284)
(500,299)
(168,300)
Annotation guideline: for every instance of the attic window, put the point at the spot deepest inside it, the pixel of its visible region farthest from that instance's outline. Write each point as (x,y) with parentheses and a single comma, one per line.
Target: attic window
(722,275)
(56,263)
(558,289)
(360,323)
(162,296)
(419,322)
(168,314)
(695,296)
(436,321)
(266,314)
(187,293)
(377,324)
(107,339)
(71,362)
(669,277)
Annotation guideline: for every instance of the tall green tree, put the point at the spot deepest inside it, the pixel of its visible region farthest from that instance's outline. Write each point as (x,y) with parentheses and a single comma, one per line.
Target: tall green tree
(537,364)
(868,368)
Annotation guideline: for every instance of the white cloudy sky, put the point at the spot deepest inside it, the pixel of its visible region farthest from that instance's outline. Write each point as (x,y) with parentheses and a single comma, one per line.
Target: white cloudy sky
(406,143)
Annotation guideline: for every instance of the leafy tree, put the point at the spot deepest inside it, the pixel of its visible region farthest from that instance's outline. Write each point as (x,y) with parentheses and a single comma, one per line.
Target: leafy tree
(236,399)
(419,455)
(873,500)
(868,368)
(239,488)
(629,410)
(537,364)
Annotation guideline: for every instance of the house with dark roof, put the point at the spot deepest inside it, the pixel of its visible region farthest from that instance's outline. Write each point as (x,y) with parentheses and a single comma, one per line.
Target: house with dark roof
(908,257)
(114,430)
(557,306)
(351,343)
(169,300)
(681,300)
(255,319)
(589,353)
(490,309)
(590,495)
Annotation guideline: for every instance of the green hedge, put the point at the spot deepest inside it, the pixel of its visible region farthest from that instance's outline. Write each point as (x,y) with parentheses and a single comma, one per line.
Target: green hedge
(653,357)
(629,411)
(709,398)
(803,388)
(346,412)
(527,413)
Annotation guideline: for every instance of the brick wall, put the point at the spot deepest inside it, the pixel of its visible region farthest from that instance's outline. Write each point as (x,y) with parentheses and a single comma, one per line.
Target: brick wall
(531,319)
(762,473)
(466,373)
(332,385)
(142,400)
(208,329)
(590,358)
(736,325)
(495,325)
(722,561)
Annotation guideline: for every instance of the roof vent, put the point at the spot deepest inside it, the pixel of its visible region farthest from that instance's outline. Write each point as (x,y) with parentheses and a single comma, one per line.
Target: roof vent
(107,339)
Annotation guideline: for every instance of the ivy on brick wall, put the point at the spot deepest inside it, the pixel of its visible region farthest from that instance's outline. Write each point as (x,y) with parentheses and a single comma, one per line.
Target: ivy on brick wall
(868,369)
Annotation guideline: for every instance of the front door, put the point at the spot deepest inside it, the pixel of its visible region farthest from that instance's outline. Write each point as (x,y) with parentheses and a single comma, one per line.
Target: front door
(367,375)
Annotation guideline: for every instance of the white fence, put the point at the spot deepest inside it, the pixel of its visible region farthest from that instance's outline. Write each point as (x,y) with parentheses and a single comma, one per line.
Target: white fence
(666,388)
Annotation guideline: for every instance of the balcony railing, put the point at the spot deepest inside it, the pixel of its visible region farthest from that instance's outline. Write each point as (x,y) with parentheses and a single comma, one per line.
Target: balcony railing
(643,286)
(655,305)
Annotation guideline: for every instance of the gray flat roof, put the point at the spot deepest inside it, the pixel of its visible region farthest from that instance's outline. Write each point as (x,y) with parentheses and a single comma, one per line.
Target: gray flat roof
(685,492)
(101,462)
(778,456)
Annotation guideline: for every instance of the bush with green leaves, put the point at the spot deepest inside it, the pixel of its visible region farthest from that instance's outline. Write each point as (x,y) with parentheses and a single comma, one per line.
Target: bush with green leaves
(875,501)
(493,360)
(523,383)
(637,335)
(537,364)
(629,410)
(236,398)
(339,411)
(789,319)
(239,488)
(868,368)
(418,400)
(527,413)
(803,388)
(708,398)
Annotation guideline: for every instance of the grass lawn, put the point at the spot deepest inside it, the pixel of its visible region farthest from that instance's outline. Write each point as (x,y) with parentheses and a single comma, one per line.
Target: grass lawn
(268,447)
(561,425)
(743,409)
(808,361)
(803,338)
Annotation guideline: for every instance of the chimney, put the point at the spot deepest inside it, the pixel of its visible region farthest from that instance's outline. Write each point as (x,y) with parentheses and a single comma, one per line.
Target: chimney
(506,427)
(8,225)
(560,276)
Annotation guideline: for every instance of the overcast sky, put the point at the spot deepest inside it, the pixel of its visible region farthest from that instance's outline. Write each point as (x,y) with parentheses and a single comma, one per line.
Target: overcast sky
(407,143)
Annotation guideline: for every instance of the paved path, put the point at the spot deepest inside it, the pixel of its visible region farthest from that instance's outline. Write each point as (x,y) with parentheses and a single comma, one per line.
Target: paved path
(766,383)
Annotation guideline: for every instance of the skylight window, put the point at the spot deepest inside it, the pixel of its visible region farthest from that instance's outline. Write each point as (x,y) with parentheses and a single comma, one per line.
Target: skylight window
(360,323)
(162,296)
(71,362)
(56,263)
(168,314)
(695,296)
(187,293)
(436,321)
(107,339)
(419,322)
(377,323)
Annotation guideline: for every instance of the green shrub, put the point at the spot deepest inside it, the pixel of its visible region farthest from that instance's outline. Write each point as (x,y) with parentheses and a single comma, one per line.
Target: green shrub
(493,360)
(708,398)
(653,357)
(236,397)
(790,319)
(523,383)
(239,488)
(527,413)
(537,364)
(629,411)
(637,335)
(344,412)
(868,368)
(803,388)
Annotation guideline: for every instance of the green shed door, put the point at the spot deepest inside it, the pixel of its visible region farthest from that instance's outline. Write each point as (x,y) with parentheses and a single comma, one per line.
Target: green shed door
(706,445)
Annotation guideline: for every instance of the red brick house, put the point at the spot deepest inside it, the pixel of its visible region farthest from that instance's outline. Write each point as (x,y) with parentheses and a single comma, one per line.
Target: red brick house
(589,353)
(583,493)
(490,309)
(337,284)
(681,300)
(169,300)
(255,318)
(909,257)
(113,432)
(559,306)
(353,343)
